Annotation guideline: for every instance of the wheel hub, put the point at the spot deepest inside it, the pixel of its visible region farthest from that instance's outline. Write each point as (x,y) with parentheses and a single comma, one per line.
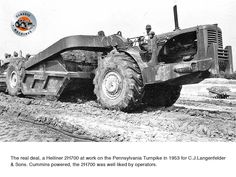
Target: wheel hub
(112,85)
(13,79)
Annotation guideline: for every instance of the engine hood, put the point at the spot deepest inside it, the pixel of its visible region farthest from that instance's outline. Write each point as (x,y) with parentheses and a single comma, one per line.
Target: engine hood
(186,30)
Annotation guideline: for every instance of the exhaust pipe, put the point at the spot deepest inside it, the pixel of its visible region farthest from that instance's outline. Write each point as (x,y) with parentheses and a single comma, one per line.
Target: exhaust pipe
(176,18)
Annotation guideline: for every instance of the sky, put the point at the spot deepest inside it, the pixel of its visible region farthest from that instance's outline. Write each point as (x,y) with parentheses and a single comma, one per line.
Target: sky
(59,18)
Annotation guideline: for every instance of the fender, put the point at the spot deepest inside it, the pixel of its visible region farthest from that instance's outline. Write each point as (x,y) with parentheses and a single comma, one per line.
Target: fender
(134,53)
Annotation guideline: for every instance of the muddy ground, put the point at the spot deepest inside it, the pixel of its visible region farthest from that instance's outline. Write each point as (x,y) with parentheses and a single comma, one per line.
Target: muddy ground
(196,116)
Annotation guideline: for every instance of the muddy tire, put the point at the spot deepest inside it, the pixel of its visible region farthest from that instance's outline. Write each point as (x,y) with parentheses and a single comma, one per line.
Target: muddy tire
(118,83)
(162,95)
(14,76)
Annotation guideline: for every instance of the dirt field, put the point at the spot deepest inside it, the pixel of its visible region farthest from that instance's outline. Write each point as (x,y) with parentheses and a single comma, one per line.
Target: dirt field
(195,117)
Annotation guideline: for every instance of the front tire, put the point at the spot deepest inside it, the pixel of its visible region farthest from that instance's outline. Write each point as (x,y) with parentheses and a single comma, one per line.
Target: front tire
(118,83)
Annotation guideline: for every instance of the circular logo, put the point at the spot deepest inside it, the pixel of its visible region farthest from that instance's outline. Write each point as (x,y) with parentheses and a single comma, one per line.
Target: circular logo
(23,23)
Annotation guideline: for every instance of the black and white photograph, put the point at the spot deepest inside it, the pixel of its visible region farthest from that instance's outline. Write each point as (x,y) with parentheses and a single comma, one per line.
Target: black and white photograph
(117,75)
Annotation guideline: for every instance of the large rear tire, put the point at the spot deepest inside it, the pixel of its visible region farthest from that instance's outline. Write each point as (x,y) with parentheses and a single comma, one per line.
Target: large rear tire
(162,95)
(118,82)
(14,76)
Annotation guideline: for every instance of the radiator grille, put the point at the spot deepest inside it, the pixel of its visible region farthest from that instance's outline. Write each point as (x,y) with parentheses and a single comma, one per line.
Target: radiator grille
(212,37)
(223,56)
(220,41)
